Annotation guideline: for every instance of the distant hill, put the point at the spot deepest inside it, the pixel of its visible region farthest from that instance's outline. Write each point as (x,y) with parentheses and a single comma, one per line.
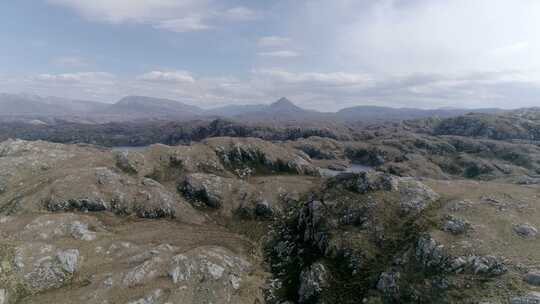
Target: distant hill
(74,105)
(24,104)
(281,110)
(522,124)
(149,107)
(281,107)
(375,113)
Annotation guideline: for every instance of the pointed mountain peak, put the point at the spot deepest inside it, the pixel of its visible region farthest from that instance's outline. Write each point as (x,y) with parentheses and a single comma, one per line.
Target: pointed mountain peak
(285,105)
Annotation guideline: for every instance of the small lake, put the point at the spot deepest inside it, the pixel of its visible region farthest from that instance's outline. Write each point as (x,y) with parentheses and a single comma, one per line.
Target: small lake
(354,168)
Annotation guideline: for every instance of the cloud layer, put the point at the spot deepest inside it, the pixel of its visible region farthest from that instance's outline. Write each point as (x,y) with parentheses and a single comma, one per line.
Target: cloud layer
(171,15)
(322,54)
(322,91)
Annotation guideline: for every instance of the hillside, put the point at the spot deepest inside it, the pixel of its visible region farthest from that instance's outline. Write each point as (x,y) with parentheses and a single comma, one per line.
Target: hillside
(375,113)
(148,107)
(521,124)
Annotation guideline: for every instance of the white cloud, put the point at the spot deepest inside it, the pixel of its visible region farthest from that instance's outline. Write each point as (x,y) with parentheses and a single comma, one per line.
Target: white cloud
(389,52)
(400,37)
(513,49)
(70,62)
(172,15)
(241,13)
(280,54)
(138,11)
(168,77)
(273,41)
(75,78)
(182,25)
(331,79)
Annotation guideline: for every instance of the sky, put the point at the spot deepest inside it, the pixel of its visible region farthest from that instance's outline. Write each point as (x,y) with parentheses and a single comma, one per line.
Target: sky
(321,54)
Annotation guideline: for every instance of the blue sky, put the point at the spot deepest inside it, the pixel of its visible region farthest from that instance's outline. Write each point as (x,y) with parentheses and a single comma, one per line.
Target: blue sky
(322,54)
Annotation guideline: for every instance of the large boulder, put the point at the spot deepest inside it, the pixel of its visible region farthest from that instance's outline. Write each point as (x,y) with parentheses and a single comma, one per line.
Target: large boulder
(415,196)
(208,189)
(311,222)
(455,225)
(41,271)
(533,278)
(430,254)
(526,230)
(129,162)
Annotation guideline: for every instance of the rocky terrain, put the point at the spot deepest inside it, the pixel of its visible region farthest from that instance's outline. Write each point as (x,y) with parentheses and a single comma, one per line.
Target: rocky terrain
(89,225)
(400,213)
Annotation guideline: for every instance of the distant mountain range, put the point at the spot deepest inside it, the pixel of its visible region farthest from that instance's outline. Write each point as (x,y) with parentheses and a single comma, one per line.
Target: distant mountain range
(22,106)
(141,107)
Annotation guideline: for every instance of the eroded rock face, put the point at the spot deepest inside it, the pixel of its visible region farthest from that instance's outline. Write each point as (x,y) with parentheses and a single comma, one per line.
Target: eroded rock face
(365,182)
(208,189)
(144,272)
(128,161)
(312,282)
(388,284)
(311,221)
(487,265)
(431,254)
(68,259)
(415,196)
(261,156)
(214,272)
(117,193)
(50,272)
